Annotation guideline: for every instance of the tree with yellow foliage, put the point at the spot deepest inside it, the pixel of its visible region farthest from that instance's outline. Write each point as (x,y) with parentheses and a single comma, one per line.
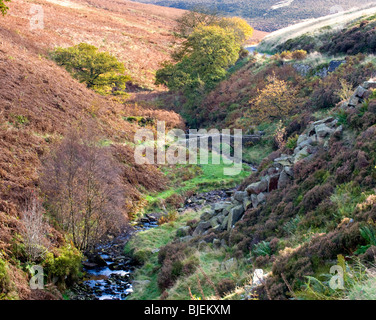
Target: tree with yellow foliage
(276,101)
(242,30)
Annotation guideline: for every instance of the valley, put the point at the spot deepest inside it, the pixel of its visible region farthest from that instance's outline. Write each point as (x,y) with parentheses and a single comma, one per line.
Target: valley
(109,213)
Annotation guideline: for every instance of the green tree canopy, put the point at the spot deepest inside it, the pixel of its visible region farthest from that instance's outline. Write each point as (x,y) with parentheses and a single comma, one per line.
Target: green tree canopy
(209,51)
(101,71)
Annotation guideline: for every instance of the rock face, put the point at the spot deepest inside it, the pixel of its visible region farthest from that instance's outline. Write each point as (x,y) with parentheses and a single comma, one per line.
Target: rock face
(304,69)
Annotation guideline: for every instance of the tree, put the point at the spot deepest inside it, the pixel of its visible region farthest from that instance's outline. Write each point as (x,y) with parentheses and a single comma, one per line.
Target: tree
(83,187)
(101,71)
(209,51)
(242,30)
(3,7)
(275,101)
(34,230)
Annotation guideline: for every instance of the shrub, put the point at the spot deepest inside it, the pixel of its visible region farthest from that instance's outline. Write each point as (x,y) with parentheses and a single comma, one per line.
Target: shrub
(299,54)
(176,260)
(64,263)
(225,286)
(262,249)
(292,142)
(286,55)
(34,230)
(4,278)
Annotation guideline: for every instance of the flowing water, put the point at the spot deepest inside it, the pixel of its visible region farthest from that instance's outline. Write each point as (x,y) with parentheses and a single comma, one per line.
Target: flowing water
(108,271)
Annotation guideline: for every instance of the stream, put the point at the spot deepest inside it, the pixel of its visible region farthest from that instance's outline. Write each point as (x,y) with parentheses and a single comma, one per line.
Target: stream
(108,272)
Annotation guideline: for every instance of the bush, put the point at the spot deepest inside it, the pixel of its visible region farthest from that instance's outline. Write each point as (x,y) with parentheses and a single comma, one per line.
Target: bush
(262,249)
(225,286)
(299,54)
(4,278)
(64,263)
(292,142)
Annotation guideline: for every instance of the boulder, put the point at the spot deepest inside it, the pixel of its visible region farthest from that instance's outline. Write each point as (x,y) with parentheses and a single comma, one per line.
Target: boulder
(226,210)
(214,222)
(201,228)
(323,130)
(258,277)
(301,154)
(261,198)
(98,260)
(284,160)
(305,143)
(354,101)
(273,182)
(220,218)
(240,195)
(301,138)
(323,121)
(289,171)
(247,203)
(338,131)
(186,239)
(219,206)
(140,283)
(89,265)
(283,180)
(207,215)
(369,84)
(254,200)
(225,223)
(257,187)
(234,216)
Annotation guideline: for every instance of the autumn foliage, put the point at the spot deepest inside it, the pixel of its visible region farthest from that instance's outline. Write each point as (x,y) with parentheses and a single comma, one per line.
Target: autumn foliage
(277,100)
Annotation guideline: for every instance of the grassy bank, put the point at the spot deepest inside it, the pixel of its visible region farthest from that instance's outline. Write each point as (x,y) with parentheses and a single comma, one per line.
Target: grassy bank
(189,178)
(209,265)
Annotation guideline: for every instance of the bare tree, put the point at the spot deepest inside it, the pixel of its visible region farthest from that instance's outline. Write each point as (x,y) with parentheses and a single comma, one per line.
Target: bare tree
(83,187)
(34,230)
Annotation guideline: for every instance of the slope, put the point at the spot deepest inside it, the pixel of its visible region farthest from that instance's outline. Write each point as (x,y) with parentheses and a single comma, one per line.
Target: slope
(139,35)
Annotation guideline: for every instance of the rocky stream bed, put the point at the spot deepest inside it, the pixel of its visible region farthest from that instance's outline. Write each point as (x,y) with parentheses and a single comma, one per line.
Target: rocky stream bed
(108,272)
